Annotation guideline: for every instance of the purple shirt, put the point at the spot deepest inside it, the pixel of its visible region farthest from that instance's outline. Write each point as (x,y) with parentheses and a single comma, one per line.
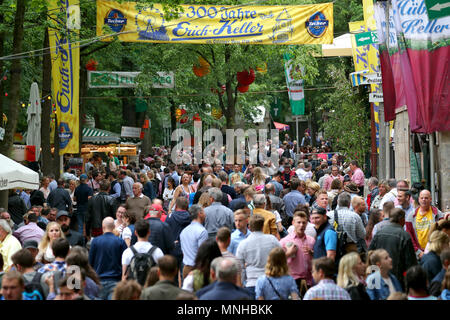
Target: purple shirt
(300,266)
(31,231)
(358,177)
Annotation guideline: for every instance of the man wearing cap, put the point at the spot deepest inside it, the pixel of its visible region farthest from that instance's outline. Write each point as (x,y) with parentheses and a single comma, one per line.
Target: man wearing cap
(75,238)
(326,240)
(352,189)
(82,194)
(33,247)
(30,231)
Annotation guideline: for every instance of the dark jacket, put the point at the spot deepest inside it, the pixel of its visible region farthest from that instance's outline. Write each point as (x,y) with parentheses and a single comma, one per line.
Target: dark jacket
(358,292)
(436,283)
(398,244)
(60,199)
(320,249)
(37,198)
(277,204)
(161,290)
(149,191)
(105,256)
(75,238)
(226,291)
(160,235)
(234,203)
(432,264)
(177,221)
(100,206)
(16,208)
(229,190)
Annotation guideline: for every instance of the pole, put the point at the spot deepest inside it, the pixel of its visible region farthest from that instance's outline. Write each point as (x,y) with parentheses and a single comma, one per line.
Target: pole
(432,169)
(296,130)
(373,131)
(388,150)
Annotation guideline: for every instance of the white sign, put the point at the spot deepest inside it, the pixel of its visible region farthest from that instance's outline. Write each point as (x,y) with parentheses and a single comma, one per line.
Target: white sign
(2,133)
(18,152)
(370,78)
(131,132)
(375,97)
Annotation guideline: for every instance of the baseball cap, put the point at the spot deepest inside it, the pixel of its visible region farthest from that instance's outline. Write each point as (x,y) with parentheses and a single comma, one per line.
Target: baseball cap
(62,213)
(30,244)
(346,178)
(83,176)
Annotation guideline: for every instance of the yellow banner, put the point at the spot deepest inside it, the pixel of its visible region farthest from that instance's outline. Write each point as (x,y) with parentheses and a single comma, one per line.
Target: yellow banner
(65,57)
(240,24)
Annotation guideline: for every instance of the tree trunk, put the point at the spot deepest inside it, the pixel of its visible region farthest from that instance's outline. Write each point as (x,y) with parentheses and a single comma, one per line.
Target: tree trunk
(230,107)
(2,53)
(14,93)
(46,155)
(56,162)
(16,72)
(173,120)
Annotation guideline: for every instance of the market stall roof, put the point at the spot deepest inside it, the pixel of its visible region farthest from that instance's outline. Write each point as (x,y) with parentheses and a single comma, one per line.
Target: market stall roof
(14,175)
(99,136)
(341,47)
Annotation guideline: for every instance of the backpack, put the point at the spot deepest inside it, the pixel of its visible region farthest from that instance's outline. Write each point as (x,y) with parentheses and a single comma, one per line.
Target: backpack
(33,289)
(123,194)
(140,265)
(341,238)
(286,154)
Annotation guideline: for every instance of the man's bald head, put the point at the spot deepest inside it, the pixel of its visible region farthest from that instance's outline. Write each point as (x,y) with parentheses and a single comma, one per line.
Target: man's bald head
(108,224)
(425,200)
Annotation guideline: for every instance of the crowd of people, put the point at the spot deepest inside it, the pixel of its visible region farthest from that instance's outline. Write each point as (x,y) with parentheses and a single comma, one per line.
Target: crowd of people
(159,231)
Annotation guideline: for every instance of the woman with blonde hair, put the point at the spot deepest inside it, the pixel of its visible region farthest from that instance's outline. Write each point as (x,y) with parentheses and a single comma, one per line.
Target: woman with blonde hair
(311,189)
(276,284)
(183,190)
(351,276)
(431,262)
(52,232)
(384,195)
(204,200)
(235,177)
(259,178)
(148,186)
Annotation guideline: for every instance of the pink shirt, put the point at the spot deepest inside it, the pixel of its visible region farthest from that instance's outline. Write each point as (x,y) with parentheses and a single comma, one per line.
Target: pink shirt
(329,180)
(300,266)
(358,177)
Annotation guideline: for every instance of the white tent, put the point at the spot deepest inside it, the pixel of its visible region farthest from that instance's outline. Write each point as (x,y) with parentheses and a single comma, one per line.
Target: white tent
(341,47)
(15,175)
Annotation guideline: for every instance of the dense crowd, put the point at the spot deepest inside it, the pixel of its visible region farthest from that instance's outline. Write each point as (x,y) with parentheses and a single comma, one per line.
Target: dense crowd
(213,231)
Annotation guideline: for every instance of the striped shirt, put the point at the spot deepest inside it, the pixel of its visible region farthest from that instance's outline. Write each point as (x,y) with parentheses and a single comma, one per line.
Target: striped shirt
(326,289)
(351,223)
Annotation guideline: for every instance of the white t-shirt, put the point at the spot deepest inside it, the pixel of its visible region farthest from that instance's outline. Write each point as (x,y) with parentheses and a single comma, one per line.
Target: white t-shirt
(141,247)
(388,281)
(126,233)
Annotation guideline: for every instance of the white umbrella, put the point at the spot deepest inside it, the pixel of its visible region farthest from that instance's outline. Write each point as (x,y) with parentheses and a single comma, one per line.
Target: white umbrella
(14,175)
(34,119)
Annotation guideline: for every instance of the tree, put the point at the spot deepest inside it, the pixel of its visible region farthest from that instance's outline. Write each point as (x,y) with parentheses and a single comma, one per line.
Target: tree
(348,118)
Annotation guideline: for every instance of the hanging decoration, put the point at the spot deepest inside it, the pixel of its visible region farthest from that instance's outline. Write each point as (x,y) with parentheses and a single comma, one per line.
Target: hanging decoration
(203,69)
(217,113)
(262,69)
(196,117)
(246,77)
(243,89)
(180,115)
(221,91)
(91,65)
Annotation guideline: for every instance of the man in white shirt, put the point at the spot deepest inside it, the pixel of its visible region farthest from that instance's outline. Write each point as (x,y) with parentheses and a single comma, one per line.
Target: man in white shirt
(305,174)
(142,231)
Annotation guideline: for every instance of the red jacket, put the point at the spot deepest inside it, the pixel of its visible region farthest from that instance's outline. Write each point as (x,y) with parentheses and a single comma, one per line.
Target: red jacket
(410,224)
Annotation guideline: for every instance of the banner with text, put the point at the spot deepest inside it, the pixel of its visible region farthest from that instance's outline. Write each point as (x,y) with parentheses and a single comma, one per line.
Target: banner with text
(123,79)
(240,24)
(295,87)
(65,56)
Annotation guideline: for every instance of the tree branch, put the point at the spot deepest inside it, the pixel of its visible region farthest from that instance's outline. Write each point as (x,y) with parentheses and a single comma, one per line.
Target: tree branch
(96,49)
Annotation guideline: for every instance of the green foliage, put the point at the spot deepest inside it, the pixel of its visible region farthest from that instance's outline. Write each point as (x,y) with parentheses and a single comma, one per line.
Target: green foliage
(348,119)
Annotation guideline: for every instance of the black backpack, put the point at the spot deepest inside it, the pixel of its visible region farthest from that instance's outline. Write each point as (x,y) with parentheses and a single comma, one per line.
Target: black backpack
(341,238)
(123,194)
(140,265)
(33,289)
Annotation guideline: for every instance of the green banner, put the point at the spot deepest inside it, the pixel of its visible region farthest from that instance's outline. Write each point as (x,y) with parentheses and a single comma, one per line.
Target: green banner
(365,38)
(295,87)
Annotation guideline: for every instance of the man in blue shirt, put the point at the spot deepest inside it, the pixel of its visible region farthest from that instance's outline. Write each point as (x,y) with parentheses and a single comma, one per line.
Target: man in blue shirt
(241,232)
(105,256)
(295,197)
(326,240)
(192,237)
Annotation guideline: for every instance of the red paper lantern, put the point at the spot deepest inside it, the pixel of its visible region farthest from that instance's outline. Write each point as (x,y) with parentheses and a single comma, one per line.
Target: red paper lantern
(196,117)
(201,70)
(245,77)
(91,65)
(243,89)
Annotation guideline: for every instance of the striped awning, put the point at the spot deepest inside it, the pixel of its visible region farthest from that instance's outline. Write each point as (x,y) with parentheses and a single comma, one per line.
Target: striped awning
(98,136)
(358,77)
